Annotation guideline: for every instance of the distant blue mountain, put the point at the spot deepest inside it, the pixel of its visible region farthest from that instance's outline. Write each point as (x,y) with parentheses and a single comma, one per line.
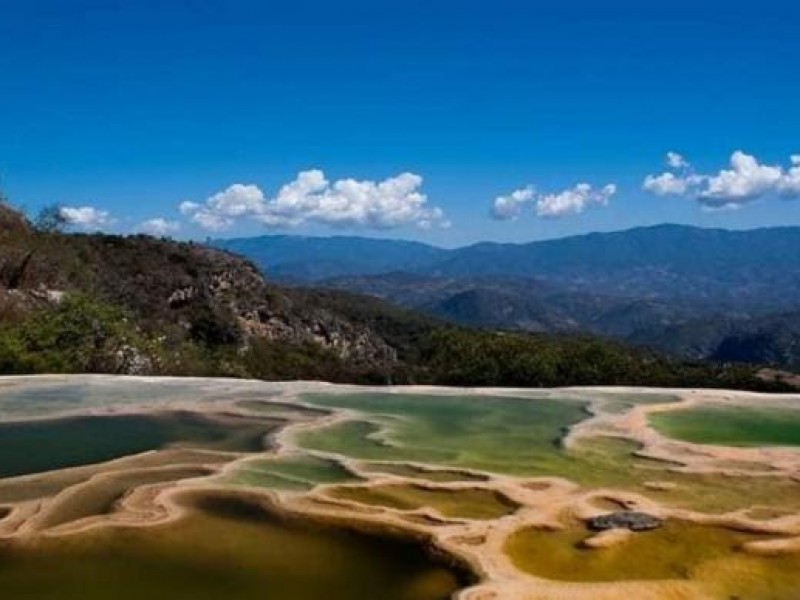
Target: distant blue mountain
(759,267)
(308,259)
(688,291)
(677,248)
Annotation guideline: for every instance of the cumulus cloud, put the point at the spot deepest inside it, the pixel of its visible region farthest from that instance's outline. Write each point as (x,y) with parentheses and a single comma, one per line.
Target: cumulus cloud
(669,184)
(574,200)
(159,227)
(679,180)
(746,180)
(510,206)
(311,197)
(85,217)
(221,209)
(570,201)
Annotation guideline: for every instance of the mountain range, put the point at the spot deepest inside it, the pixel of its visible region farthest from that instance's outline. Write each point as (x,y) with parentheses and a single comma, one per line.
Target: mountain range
(688,291)
(144,305)
(755,268)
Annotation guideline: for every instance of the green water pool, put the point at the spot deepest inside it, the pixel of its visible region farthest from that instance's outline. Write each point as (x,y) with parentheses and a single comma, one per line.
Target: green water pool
(521,437)
(505,435)
(711,556)
(37,446)
(227,550)
(731,425)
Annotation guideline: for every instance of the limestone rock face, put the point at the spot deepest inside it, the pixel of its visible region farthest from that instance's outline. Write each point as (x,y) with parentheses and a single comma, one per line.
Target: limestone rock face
(176,290)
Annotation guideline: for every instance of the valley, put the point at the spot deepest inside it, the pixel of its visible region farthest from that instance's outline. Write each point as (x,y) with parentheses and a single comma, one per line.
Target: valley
(684,291)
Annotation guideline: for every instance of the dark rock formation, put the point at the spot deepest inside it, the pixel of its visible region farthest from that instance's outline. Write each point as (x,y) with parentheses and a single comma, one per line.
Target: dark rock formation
(626,519)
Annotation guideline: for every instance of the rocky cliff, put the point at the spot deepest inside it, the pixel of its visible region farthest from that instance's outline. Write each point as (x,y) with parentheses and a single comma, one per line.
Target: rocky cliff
(180,291)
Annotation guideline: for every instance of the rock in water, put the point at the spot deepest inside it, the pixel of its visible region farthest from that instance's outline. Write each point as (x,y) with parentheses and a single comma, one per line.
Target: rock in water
(626,519)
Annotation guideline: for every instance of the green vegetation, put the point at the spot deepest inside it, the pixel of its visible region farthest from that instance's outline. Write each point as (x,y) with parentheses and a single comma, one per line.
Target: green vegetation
(36,446)
(430,351)
(277,361)
(474,357)
(731,426)
(77,335)
(229,550)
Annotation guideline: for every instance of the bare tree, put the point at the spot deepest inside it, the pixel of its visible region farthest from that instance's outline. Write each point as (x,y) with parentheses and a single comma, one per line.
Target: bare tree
(50,219)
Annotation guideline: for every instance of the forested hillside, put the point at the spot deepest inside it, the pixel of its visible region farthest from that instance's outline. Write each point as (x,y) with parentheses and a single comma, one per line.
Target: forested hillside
(688,292)
(137,304)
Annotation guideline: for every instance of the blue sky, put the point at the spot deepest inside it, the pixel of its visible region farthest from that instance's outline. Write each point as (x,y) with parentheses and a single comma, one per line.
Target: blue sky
(131,108)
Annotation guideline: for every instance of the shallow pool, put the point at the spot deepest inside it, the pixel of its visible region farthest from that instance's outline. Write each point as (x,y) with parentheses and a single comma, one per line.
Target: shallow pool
(731,425)
(228,549)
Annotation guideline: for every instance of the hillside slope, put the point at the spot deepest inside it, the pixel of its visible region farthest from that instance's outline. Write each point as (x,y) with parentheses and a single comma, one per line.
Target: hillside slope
(181,293)
(101,303)
(518,303)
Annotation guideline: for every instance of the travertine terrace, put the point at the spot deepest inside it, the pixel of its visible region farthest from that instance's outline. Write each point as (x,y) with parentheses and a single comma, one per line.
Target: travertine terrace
(478,475)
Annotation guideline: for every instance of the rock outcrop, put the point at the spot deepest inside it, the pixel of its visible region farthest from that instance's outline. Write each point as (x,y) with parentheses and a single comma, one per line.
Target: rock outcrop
(178,290)
(626,519)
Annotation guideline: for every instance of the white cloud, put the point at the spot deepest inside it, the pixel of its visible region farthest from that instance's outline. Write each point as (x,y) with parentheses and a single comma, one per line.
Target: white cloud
(746,180)
(220,210)
(574,200)
(159,227)
(570,201)
(666,184)
(789,186)
(188,207)
(311,197)
(680,180)
(510,207)
(210,221)
(676,161)
(347,203)
(85,217)
(237,200)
